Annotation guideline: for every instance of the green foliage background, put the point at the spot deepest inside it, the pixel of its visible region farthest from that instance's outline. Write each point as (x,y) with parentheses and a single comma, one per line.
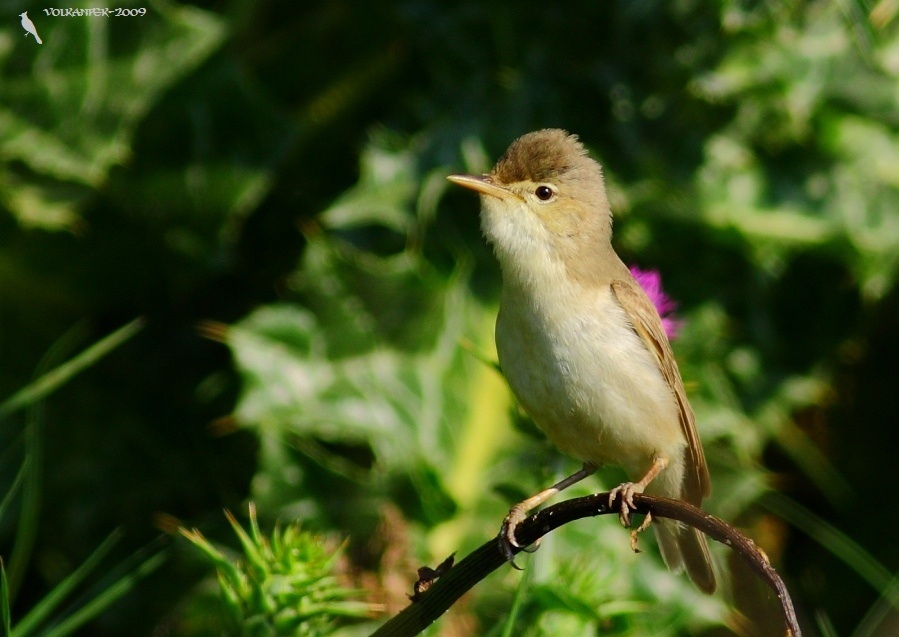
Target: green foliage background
(271,175)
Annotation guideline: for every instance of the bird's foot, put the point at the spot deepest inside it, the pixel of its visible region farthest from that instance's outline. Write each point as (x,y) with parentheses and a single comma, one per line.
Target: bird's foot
(643,526)
(626,491)
(506,538)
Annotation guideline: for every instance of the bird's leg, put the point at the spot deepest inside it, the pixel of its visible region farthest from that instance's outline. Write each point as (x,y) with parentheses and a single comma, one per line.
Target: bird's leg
(519,512)
(627,490)
(636,532)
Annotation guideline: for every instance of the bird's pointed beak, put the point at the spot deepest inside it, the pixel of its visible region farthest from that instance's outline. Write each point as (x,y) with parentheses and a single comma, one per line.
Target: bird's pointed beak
(482,185)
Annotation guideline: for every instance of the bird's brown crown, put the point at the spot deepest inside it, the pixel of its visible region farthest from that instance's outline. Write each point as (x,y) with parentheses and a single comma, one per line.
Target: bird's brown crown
(540,156)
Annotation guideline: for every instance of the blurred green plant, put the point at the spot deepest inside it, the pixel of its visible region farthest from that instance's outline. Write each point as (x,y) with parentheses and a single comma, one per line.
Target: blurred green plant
(47,616)
(50,617)
(285,584)
(58,151)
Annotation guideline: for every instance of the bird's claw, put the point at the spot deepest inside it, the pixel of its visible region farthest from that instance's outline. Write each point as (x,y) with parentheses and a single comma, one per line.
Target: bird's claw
(636,532)
(506,538)
(627,491)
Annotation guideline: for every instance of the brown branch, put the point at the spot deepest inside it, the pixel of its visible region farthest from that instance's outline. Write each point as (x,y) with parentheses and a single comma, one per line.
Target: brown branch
(443,593)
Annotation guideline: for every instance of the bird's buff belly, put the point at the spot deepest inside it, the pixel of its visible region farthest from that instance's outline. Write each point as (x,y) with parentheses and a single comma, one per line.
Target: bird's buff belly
(593,389)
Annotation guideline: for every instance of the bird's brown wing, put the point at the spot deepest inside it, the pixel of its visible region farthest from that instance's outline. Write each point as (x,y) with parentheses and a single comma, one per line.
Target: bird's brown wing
(647,324)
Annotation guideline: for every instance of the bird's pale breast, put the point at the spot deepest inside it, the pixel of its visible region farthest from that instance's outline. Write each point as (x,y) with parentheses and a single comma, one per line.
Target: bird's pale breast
(580,371)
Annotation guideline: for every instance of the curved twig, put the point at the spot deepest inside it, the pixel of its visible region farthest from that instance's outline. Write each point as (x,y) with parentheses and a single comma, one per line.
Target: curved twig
(443,593)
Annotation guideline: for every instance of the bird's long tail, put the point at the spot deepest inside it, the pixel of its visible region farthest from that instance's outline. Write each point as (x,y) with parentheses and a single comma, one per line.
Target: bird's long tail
(685,548)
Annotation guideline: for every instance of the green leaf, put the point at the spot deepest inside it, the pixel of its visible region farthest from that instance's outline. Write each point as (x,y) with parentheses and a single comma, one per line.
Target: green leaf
(838,543)
(54,379)
(70,114)
(387,183)
(55,598)
(5,615)
(115,591)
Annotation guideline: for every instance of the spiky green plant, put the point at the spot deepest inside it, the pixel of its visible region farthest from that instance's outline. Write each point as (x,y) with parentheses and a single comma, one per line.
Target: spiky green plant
(282,585)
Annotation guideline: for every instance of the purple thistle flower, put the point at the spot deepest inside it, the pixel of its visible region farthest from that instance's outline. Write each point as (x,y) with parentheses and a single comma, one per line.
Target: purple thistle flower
(651,282)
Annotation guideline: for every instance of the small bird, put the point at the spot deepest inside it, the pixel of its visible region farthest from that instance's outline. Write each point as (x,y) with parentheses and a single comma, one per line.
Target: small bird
(28,25)
(581,344)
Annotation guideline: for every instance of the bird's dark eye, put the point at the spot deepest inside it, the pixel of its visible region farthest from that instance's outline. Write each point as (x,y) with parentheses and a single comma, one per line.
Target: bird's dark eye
(544,193)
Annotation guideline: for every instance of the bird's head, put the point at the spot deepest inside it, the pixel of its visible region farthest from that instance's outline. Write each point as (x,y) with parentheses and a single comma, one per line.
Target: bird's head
(544,200)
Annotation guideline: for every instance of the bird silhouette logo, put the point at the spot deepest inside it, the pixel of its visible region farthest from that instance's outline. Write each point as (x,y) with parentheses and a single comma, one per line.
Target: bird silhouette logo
(28,25)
